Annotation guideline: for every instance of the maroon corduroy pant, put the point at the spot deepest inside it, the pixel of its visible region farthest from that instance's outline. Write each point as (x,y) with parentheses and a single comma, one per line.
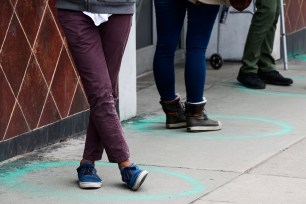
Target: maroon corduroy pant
(97,52)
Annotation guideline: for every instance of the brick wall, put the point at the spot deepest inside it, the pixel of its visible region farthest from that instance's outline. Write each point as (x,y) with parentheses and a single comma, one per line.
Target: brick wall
(39,86)
(295,12)
(295,19)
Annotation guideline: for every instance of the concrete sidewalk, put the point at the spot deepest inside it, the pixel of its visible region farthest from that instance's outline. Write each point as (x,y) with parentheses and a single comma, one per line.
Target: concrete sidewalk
(258,156)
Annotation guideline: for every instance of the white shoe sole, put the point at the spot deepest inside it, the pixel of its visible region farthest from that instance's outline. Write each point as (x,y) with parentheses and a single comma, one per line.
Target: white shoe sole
(140,179)
(204,128)
(90,184)
(176,125)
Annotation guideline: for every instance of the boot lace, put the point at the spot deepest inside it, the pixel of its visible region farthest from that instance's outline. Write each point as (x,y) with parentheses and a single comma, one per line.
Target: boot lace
(181,112)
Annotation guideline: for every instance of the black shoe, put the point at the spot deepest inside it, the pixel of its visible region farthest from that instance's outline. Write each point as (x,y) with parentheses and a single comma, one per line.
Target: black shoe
(275,78)
(251,80)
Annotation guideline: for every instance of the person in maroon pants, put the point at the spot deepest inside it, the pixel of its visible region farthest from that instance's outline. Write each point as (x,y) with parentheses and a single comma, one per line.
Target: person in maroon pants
(97,50)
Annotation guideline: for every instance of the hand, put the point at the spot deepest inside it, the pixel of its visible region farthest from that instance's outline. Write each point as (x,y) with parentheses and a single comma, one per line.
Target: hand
(240,5)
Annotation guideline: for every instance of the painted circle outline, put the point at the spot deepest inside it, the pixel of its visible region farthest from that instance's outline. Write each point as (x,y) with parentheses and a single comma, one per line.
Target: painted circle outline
(144,128)
(197,187)
(271,93)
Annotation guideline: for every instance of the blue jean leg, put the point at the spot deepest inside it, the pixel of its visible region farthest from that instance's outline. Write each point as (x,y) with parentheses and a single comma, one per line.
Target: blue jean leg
(170,16)
(200,21)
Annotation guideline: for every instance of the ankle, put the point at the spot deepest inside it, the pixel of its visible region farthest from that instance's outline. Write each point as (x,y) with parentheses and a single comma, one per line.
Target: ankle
(177,98)
(85,160)
(124,164)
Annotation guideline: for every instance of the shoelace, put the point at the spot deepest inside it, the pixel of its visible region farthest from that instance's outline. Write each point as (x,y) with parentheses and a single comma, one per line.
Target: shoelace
(205,114)
(182,111)
(88,170)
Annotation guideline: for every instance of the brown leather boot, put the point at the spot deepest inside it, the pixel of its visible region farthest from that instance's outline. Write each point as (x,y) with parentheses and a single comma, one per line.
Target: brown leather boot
(175,113)
(197,119)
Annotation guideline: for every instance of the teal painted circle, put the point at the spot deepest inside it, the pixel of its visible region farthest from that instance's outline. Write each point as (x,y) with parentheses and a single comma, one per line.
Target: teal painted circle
(297,56)
(271,93)
(298,78)
(12,179)
(149,126)
(301,57)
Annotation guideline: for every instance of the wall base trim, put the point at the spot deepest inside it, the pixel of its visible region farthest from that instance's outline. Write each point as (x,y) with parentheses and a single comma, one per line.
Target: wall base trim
(42,137)
(296,42)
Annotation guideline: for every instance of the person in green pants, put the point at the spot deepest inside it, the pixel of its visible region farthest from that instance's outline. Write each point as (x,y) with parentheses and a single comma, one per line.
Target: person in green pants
(258,64)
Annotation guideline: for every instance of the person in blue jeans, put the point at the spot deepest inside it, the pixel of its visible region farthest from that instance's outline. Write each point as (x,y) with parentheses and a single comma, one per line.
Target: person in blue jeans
(170,15)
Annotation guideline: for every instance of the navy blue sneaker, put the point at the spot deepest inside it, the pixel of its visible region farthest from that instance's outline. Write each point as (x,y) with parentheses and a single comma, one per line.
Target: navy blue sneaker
(133,176)
(88,177)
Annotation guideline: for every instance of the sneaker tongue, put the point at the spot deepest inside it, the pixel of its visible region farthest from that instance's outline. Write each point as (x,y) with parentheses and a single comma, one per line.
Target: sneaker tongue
(89,170)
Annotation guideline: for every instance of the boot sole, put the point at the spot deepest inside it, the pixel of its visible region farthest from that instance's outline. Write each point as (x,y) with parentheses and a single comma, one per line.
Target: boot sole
(176,125)
(278,83)
(204,128)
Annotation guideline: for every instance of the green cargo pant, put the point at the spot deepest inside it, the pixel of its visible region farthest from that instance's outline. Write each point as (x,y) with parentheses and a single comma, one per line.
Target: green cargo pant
(260,39)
